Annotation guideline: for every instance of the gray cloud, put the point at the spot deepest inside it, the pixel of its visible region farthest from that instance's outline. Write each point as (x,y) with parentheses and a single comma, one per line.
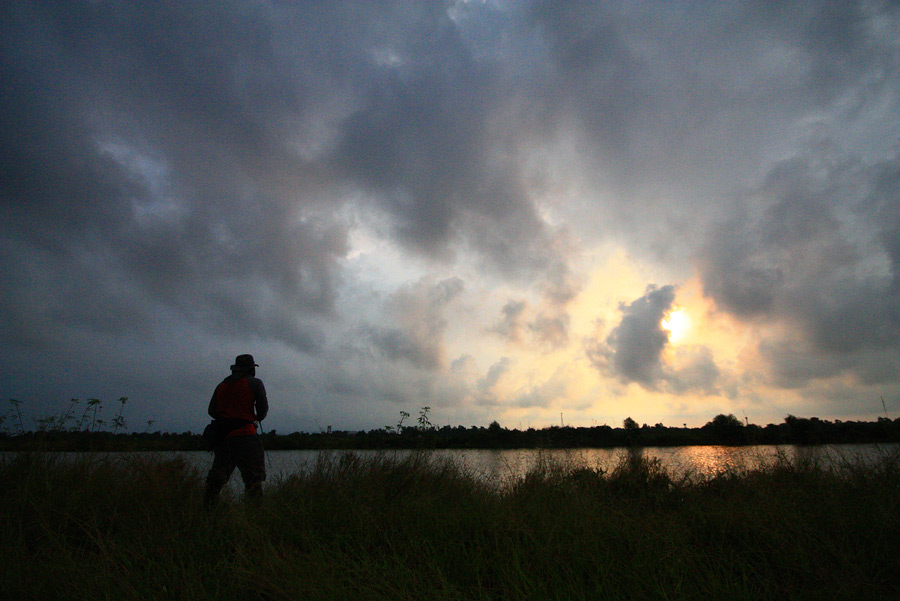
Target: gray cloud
(184,196)
(819,253)
(551,331)
(697,372)
(177,167)
(633,349)
(551,326)
(418,311)
(543,395)
(203,177)
(510,325)
(486,384)
(548,323)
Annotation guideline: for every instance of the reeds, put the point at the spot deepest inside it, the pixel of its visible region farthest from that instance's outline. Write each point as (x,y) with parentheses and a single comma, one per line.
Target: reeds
(413,527)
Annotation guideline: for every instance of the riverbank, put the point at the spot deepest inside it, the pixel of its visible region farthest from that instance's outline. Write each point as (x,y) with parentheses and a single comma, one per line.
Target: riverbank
(60,434)
(418,528)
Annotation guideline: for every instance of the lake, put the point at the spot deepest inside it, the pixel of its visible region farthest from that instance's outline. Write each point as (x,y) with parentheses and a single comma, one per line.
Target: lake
(501,467)
(507,465)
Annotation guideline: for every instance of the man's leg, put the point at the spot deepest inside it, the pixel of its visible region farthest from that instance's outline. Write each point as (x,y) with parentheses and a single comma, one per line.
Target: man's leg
(251,461)
(219,474)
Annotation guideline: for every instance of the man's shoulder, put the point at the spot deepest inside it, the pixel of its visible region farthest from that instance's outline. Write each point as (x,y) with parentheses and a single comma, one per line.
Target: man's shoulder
(233,379)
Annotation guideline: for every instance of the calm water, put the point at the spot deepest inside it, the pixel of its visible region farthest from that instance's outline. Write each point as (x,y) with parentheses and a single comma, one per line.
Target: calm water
(504,466)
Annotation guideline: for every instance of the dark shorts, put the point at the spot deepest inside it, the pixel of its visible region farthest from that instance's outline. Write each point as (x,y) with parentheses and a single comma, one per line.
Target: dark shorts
(242,452)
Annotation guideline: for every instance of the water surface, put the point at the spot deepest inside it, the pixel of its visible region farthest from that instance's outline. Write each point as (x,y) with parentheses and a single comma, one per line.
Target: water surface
(507,465)
(502,467)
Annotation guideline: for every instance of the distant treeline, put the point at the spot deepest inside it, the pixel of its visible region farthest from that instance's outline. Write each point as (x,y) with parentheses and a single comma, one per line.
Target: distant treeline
(721,430)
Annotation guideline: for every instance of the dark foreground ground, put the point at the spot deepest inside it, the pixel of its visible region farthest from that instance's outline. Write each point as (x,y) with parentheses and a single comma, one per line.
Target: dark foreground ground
(415,528)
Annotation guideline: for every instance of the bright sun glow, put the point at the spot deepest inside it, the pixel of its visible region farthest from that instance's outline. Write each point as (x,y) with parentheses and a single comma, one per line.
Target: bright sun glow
(678,323)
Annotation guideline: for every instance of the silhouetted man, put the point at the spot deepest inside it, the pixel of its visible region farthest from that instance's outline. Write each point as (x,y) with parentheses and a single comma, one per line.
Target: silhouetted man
(238,401)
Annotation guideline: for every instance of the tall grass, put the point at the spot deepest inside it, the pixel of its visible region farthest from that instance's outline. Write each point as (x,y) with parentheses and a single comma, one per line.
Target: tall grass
(414,527)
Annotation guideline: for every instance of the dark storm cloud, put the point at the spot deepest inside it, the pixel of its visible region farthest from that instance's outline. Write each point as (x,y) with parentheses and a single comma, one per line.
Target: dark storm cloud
(183,138)
(142,160)
(676,115)
(634,348)
(598,76)
(176,167)
(842,50)
(881,205)
(428,141)
(821,254)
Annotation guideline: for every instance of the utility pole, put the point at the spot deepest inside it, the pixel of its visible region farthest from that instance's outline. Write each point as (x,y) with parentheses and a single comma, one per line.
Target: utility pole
(561,422)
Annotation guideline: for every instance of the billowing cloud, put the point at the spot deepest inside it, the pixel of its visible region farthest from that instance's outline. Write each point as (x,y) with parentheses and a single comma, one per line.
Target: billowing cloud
(313,182)
(819,254)
(141,158)
(486,385)
(633,349)
(418,312)
(510,325)
(695,372)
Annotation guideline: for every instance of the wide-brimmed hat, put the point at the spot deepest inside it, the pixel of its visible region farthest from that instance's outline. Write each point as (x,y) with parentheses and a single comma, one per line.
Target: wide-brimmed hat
(244,362)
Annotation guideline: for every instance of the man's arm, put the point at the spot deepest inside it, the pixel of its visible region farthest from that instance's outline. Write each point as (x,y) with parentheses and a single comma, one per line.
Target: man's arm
(213,409)
(260,402)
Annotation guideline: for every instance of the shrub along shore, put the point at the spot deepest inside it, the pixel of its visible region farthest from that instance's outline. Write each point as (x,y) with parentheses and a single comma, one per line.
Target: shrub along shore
(416,527)
(721,430)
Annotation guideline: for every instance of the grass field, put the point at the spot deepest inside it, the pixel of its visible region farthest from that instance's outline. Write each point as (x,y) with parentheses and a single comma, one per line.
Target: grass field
(416,528)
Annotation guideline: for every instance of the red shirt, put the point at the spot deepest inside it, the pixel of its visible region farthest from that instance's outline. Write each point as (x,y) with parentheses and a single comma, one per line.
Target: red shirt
(239,397)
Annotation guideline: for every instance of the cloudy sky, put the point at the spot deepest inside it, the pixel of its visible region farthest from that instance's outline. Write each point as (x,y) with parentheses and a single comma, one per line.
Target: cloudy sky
(522,211)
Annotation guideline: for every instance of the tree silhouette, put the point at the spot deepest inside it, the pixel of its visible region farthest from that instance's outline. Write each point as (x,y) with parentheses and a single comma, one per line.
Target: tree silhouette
(726,428)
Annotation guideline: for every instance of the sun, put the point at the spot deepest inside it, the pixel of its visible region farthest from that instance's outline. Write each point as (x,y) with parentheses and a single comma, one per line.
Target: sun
(678,324)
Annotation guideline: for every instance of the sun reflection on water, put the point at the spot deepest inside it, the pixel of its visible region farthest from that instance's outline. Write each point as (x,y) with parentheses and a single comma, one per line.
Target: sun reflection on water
(503,467)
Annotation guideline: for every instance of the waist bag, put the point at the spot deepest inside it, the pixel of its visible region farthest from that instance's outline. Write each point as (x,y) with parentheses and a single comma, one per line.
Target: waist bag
(215,433)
